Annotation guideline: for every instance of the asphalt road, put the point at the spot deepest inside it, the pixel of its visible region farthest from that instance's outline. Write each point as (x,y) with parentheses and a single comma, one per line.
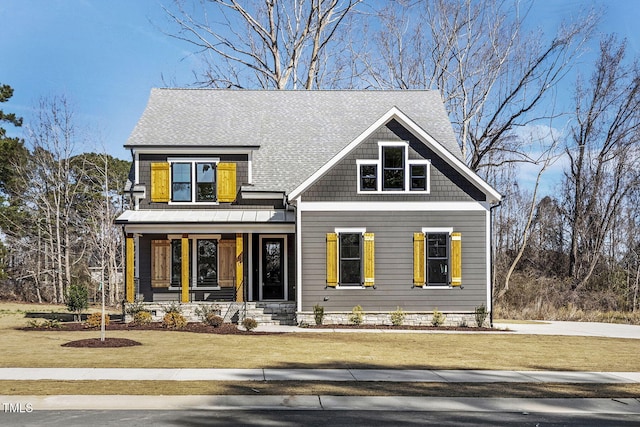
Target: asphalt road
(289,418)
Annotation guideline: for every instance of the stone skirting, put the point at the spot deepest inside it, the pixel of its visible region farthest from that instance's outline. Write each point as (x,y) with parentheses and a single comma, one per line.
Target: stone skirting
(274,313)
(229,310)
(384,318)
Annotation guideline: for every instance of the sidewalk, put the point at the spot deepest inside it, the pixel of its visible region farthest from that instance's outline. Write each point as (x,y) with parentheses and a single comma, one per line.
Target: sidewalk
(356,375)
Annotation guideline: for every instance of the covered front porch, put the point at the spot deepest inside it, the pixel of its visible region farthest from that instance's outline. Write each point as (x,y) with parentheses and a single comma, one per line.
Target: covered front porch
(209,256)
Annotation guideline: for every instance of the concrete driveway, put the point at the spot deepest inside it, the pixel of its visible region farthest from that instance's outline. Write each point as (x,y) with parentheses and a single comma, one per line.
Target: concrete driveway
(587,329)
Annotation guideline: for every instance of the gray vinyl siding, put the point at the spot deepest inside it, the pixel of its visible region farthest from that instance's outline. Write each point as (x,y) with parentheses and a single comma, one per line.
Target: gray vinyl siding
(394,261)
(144,169)
(341,182)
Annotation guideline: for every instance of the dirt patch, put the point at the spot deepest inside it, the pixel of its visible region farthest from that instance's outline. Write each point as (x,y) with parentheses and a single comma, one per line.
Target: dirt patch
(107,343)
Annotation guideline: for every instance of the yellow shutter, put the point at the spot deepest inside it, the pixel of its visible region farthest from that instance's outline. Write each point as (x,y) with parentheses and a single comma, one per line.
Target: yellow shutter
(226,182)
(160,263)
(184,280)
(160,182)
(418,259)
(130,271)
(369,259)
(239,268)
(456,259)
(332,260)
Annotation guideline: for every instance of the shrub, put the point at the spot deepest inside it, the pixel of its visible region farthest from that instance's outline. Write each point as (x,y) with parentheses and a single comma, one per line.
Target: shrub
(214,320)
(77,297)
(397,317)
(207,311)
(438,318)
(173,320)
(95,320)
(142,317)
(135,307)
(250,324)
(481,315)
(357,315)
(318,314)
(173,307)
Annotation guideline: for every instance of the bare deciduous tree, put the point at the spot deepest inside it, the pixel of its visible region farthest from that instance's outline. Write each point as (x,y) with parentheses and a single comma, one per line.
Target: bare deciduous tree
(273,44)
(603,154)
(493,75)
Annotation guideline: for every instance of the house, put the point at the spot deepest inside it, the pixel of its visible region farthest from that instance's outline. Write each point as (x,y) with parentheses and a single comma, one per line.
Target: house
(270,202)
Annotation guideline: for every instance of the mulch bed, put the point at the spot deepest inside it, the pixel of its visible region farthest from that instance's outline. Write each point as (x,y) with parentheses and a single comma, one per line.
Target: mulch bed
(224,329)
(107,343)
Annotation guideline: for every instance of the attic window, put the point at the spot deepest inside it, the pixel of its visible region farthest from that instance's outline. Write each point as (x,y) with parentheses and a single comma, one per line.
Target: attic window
(393,172)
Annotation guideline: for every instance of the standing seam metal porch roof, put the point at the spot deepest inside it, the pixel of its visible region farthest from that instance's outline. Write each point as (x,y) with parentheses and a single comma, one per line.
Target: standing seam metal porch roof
(297,131)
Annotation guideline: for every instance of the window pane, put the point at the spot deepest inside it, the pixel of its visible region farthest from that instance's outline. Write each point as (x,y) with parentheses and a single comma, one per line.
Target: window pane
(437,259)
(393,157)
(350,272)
(350,259)
(181,182)
(368,177)
(393,168)
(205,192)
(437,271)
(176,262)
(418,177)
(205,173)
(207,262)
(393,179)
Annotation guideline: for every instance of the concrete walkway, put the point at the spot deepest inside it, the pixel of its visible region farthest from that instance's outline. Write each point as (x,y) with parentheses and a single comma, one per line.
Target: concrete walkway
(587,329)
(356,375)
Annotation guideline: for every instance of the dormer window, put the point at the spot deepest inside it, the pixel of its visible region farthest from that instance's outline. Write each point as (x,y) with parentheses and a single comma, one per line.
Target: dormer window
(191,181)
(393,172)
(201,174)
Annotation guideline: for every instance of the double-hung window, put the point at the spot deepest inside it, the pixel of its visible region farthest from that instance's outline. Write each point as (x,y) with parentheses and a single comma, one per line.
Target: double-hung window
(204,262)
(437,258)
(193,181)
(350,258)
(393,171)
(185,181)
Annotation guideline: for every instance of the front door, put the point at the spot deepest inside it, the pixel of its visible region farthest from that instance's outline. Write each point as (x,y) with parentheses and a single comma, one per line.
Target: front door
(272,270)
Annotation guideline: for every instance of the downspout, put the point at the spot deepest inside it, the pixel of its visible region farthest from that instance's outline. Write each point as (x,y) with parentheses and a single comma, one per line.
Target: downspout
(491,257)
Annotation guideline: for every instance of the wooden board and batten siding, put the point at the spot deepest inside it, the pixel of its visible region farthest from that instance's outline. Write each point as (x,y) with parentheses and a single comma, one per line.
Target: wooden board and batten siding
(394,261)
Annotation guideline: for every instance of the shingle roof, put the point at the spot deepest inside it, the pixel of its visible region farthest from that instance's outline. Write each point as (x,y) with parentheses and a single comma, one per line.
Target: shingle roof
(297,131)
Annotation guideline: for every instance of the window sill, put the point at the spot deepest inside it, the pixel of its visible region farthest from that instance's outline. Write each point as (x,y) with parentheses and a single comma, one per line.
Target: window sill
(194,203)
(417,192)
(433,287)
(352,287)
(196,288)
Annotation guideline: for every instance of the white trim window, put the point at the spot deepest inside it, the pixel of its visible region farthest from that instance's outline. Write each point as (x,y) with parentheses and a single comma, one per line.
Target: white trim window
(193,180)
(203,262)
(437,258)
(392,172)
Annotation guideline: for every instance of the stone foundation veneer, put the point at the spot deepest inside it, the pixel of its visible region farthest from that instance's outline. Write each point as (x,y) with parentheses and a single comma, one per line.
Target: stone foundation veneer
(378,318)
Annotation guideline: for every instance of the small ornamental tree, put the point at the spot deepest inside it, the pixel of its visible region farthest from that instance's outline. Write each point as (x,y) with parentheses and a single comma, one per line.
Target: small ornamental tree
(77,300)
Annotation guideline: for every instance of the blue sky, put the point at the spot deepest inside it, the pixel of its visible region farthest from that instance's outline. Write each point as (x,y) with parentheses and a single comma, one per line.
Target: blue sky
(106,55)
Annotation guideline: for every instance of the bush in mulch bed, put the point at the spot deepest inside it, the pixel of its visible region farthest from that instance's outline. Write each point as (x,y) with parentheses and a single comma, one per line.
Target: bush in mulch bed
(107,343)
(224,329)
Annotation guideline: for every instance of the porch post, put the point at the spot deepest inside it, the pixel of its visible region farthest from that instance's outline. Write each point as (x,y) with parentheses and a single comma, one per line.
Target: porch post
(239,268)
(184,280)
(129,274)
